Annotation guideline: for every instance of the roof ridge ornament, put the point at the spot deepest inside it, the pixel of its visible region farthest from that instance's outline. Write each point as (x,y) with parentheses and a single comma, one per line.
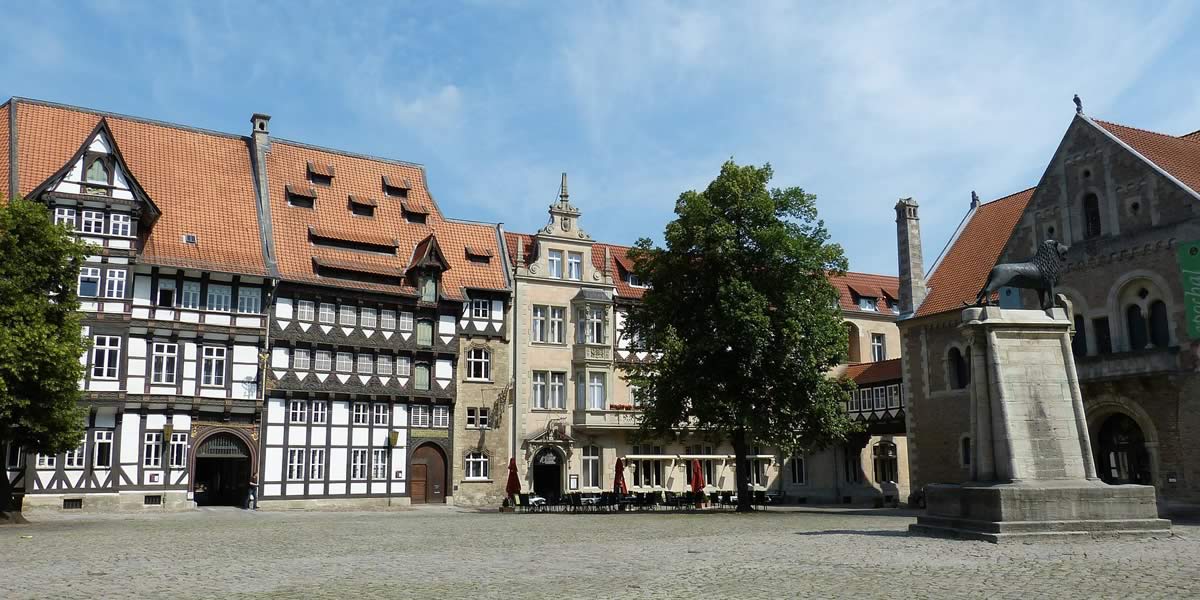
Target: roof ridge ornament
(1078,105)
(564,216)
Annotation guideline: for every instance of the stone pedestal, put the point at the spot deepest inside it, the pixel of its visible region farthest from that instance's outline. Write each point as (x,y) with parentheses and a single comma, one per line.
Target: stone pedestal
(1031,461)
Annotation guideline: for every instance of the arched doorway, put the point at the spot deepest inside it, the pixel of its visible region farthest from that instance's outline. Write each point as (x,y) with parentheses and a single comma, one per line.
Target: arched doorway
(428,475)
(222,470)
(1122,454)
(547,474)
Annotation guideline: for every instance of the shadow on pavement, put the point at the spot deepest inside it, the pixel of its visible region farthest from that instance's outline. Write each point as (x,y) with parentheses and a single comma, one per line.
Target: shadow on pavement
(873,532)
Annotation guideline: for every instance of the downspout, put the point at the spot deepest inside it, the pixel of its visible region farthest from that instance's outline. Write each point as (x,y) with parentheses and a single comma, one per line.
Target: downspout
(511,273)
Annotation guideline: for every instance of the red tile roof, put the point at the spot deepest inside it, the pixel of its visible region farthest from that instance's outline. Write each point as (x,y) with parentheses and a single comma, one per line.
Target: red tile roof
(1179,156)
(1194,136)
(964,268)
(619,267)
(864,284)
(4,148)
(874,372)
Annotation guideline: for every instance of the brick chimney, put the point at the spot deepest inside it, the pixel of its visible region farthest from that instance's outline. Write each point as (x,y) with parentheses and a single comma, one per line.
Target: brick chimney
(260,146)
(908,250)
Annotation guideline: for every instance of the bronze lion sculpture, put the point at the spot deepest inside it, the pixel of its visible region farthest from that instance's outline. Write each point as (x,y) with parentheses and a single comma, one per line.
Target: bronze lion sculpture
(1039,273)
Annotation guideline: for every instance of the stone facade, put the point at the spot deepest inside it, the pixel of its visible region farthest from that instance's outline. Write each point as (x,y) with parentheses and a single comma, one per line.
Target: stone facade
(472,438)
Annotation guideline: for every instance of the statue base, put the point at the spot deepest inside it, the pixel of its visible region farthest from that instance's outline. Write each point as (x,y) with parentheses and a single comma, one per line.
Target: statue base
(1040,511)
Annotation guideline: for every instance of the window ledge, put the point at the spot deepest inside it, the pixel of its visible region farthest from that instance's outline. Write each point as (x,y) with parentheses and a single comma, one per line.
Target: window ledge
(473,480)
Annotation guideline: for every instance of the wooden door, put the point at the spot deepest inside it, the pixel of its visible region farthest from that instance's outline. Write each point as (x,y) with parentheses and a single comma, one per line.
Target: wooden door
(419,478)
(428,475)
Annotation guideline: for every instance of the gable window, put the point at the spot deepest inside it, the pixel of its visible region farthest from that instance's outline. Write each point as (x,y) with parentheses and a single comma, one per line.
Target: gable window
(106,356)
(538,324)
(178,450)
(249,300)
(387,319)
(554,262)
(89,281)
(367,318)
(421,376)
(479,364)
(323,360)
(152,450)
(558,316)
(93,222)
(427,288)
(345,362)
(213,367)
(441,417)
(360,413)
(162,366)
(325,314)
(190,298)
(591,466)
(419,416)
(320,412)
(97,172)
(64,216)
(119,224)
(477,418)
(346,316)
(424,332)
(539,389)
(406,321)
(878,347)
(102,443)
(1091,216)
(300,359)
(219,298)
(481,309)
(574,266)
(477,465)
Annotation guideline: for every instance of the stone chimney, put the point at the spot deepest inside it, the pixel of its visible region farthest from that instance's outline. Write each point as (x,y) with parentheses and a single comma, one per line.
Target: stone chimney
(908,250)
(260,146)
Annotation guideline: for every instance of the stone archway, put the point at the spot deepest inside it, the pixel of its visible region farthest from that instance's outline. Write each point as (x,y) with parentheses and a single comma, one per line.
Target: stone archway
(547,468)
(222,465)
(427,475)
(1124,442)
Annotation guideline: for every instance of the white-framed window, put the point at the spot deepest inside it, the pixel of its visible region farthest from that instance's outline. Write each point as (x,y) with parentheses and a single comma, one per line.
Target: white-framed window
(297,411)
(558,390)
(316,464)
(796,465)
(537,330)
(14,456)
(163,358)
(120,224)
(379,464)
(323,360)
(212,372)
(406,321)
(114,283)
(46,461)
(479,364)
(295,470)
(558,326)
(102,442)
(73,459)
(190,298)
(366,364)
(387,319)
(379,413)
(539,389)
(325,314)
(166,293)
(179,443)
(301,359)
(591,325)
(306,310)
(92,222)
(419,416)
(421,376)
(477,465)
(347,316)
(880,398)
(360,413)
(106,356)
(358,465)
(478,418)
(441,417)
(64,216)
(554,262)
(152,450)
(894,396)
(575,266)
(403,366)
(867,303)
(320,412)
(852,405)
(368,318)
(481,309)
(596,391)
(219,298)
(383,364)
(591,467)
(345,362)
(89,282)
(878,346)
(634,281)
(249,300)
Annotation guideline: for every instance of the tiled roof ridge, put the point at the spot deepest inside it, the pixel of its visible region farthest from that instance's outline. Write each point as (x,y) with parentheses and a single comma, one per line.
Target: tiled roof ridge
(116,115)
(1183,137)
(347,153)
(848,273)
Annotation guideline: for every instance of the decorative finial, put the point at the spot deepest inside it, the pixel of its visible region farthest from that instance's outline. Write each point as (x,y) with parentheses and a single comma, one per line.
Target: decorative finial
(1078,105)
(974,199)
(562,194)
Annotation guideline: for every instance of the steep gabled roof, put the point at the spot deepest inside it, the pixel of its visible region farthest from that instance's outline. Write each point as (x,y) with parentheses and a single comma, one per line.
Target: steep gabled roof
(874,372)
(620,266)
(1179,157)
(864,284)
(5,149)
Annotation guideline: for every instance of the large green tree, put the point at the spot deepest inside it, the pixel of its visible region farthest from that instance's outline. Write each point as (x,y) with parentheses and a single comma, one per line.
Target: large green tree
(40,336)
(742,320)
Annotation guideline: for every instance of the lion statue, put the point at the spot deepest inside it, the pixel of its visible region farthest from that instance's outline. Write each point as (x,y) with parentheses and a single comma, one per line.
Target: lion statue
(1039,273)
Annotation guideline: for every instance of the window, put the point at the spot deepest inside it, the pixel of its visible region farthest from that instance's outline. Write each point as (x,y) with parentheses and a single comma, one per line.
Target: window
(596,391)
(797,468)
(558,390)
(959,375)
(1136,324)
(574,266)
(325,314)
(1103,335)
(403,366)
(297,411)
(367,318)
(106,356)
(219,298)
(191,295)
(538,324)
(360,413)
(114,284)
(64,216)
(867,303)
(964,448)
(379,464)
(1160,335)
(441,417)
(316,464)
(346,316)
(853,404)
(420,416)
(709,466)
(345,362)
(757,470)
(178,450)
(427,288)
(93,222)
(249,300)
(119,224)
(102,449)
(152,450)
(379,414)
(324,360)
(383,364)
(73,459)
(880,398)
(421,376)
(213,368)
(893,396)
(1091,216)
(406,321)
(591,466)
(648,473)
(320,412)
(387,319)
(14,457)
(89,281)
(634,281)
(554,262)
(539,389)
(366,364)
(46,461)
(557,324)
(481,309)
(295,471)
(301,359)
(424,332)
(852,464)
(591,325)
(97,173)
(162,362)
(878,347)
(1079,341)
(479,364)
(886,465)
(305,310)
(477,465)
(477,418)
(358,464)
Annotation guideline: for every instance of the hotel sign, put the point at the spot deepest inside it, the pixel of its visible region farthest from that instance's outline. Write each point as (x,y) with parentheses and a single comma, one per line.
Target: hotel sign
(1189,274)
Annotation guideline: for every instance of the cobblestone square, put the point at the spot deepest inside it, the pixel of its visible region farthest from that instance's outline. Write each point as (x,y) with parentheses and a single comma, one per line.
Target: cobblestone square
(444,552)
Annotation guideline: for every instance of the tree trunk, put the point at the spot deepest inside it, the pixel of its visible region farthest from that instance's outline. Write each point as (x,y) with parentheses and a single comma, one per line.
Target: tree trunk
(9,511)
(741,472)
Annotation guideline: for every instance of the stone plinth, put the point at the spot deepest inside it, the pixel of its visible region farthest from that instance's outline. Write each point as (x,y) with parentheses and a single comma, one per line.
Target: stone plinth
(1031,461)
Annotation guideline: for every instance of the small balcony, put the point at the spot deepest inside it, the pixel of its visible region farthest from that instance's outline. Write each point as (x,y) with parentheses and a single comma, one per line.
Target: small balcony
(591,353)
(607,419)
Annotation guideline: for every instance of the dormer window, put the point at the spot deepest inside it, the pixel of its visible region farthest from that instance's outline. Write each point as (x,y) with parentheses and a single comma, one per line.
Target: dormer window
(97,172)
(320,174)
(301,196)
(427,288)
(634,281)
(395,186)
(413,213)
(867,303)
(478,255)
(362,206)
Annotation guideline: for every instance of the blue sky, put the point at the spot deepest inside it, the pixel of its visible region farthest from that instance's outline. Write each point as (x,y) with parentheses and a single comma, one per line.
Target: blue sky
(639,101)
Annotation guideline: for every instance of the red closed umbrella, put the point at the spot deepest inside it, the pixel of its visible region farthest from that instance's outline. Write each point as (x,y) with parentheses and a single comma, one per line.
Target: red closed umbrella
(514,483)
(619,486)
(697,476)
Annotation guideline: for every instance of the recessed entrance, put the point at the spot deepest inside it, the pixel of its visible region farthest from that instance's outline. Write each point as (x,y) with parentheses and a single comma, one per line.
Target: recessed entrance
(547,474)
(428,477)
(221,475)
(1123,457)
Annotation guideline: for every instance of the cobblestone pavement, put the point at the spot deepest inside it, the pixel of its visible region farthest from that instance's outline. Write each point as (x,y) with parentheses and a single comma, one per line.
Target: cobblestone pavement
(452,553)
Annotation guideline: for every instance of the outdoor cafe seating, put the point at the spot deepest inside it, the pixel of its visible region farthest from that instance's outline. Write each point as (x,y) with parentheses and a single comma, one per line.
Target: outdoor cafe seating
(610,502)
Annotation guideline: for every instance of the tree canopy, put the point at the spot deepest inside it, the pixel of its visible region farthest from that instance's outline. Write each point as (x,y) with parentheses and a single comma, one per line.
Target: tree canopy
(742,320)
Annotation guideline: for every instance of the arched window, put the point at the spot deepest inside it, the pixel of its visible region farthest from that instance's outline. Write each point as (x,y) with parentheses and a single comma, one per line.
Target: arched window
(97,172)
(1091,216)
(479,364)
(1135,324)
(959,374)
(965,451)
(855,345)
(886,465)
(1160,335)
(477,465)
